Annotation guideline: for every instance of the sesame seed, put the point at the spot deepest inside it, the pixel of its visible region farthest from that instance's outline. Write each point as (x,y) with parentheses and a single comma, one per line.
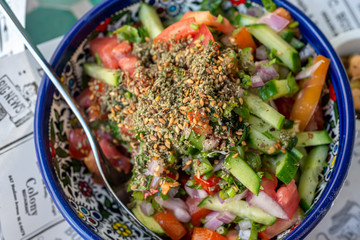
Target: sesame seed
(162,121)
(235,155)
(185,100)
(153,138)
(189,81)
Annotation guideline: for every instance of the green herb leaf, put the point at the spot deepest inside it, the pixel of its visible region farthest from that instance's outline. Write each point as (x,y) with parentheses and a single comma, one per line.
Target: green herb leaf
(128,33)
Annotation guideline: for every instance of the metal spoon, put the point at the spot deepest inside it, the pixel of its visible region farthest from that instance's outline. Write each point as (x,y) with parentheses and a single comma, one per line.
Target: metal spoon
(113,179)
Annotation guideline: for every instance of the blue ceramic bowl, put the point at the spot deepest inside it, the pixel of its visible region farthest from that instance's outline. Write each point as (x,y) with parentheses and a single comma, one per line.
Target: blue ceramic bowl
(89,208)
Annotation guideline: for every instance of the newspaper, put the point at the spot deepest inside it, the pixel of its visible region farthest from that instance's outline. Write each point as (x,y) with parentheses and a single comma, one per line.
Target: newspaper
(22,190)
(10,40)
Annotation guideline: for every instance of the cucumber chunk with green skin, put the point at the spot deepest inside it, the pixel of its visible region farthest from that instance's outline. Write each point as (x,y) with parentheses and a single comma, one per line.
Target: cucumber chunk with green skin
(204,166)
(314,164)
(150,19)
(196,141)
(302,160)
(259,124)
(286,167)
(261,142)
(243,172)
(108,76)
(149,222)
(275,89)
(244,20)
(239,208)
(264,111)
(286,53)
(314,138)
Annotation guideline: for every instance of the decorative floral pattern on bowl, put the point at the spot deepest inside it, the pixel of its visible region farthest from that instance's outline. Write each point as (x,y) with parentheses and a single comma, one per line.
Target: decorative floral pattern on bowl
(91,202)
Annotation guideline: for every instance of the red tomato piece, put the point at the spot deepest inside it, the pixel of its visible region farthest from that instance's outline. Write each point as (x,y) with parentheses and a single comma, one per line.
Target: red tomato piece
(196,213)
(205,17)
(84,99)
(94,113)
(171,226)
(317,120)
(269,185)
(204,233)
(288,198)
(78,144)
(102,27)
(279,226)
(232,235)
(284,105)
(195,118)
(210,186)
(117,159)
(127,64)
(121,49)
(90,163)
(204,33)
(103,48)
(177,31)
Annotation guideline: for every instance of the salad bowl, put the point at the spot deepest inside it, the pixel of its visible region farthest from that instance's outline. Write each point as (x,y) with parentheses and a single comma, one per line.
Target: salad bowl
(89,207)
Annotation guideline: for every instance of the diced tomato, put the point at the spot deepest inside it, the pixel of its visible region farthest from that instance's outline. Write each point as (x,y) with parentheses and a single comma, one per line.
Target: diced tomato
(243,39)
(288,198)
(284,105)
(205,17)
(84,99)
(279,226)
(204,33)
(128,64)
(177,31)
(94,113)
(210,186)
(232,235)
(150,193)
(317,120)
(204,233)
(117,159)
(171,226)
(103,48)
(196,213)
(195,118)
(269,185)
(121,49)
(78,144)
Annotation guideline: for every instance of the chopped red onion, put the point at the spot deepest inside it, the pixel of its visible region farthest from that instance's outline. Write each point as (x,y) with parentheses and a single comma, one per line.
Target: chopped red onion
(274,21)
(257,81)
(225,40)
(244,224)
(146,208)
(306,52)
(220,199)
(226,217)
(266,73)
(192,204)
(261,53)
(308,72)
(211,221)
(210,144)
(178,207)
(255,11)
(155,182)
(268,204)
(154,166)
(173,191)
(196,193)
(218,166)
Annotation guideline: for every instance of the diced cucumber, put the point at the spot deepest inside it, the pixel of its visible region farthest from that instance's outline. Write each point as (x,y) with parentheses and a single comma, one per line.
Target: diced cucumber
(286,167)
(150,19)
(261,142)
(204,166)
(149,222)
(302,160)
(278,88)
(196,141)
(108,76)
(259,124)
(244,20)
(248,234)
(239,208)
(269,163)
(297,44)
(243,172)
(286,53)
(264,111)
(314,164)
(314,138)
(287,34)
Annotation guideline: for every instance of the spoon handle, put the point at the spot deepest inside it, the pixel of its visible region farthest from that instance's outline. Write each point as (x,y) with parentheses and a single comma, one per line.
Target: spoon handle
(107,172)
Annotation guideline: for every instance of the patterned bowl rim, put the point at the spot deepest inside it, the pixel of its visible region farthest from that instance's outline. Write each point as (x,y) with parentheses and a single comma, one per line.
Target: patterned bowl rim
(95,16)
